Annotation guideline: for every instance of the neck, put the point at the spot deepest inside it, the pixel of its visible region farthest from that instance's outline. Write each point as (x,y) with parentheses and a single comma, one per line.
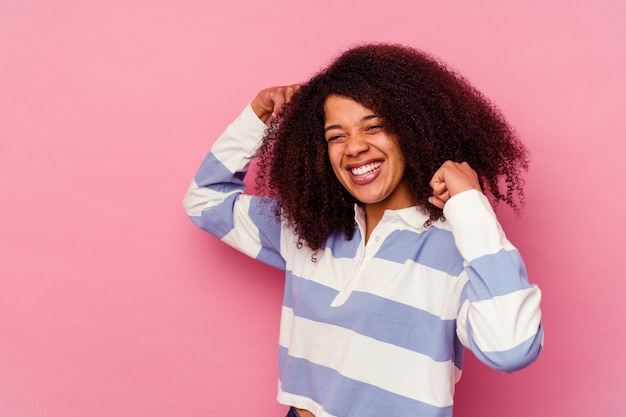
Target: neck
(375,211)
(372,217)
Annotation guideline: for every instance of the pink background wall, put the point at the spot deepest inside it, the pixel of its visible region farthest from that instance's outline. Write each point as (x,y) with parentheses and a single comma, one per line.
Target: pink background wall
(113,304)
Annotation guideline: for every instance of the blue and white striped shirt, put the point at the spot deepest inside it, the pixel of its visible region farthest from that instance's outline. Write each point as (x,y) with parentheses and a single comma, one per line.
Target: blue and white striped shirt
(377,329)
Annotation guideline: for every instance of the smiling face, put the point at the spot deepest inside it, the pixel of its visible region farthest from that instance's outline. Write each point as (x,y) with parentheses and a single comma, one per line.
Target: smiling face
(365,158)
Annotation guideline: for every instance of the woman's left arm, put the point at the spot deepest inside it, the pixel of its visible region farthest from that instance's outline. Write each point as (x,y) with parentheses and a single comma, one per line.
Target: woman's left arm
(499,316)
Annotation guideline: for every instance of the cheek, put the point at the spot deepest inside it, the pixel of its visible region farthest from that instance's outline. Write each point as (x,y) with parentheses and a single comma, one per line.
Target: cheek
(335,159)
(401,162)
(398,157)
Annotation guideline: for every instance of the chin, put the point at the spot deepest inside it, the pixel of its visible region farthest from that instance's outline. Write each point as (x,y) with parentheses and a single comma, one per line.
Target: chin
(369,199)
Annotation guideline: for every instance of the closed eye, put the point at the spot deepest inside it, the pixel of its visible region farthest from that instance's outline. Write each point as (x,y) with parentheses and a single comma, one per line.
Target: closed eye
(374,129)
(332,138)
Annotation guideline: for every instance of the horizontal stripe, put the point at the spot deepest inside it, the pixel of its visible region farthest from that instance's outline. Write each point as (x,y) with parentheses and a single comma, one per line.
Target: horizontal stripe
(410,283)
(195,199)
(271,258)
(342,248)
(240,140)
(244,234)
(391,368)
(505,321)
(300,401)
(475,226)
(214,175)
(513,359)
(200,198)
(327,270)
(433,248)
(314,292)
(413,284)
(261,212)
(218,220)
(346,396)
(379,318)
(486,275)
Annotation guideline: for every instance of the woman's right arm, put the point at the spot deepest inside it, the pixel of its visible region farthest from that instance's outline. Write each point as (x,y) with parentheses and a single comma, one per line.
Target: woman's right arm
(216,200)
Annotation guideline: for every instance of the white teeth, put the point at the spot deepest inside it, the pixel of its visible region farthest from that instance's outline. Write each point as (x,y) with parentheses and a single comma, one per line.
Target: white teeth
(365,169)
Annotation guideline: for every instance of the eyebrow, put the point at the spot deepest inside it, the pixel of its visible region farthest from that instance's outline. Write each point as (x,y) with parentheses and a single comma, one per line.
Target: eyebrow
(364,119)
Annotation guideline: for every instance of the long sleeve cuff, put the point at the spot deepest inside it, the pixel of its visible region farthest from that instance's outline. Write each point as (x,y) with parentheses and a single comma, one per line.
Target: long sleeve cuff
(474,225)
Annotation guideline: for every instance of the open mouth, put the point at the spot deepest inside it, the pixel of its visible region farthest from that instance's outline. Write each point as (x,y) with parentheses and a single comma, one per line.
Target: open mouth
(365,170)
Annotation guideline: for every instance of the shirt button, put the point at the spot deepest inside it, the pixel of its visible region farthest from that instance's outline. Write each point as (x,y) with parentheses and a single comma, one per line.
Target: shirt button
(377,238)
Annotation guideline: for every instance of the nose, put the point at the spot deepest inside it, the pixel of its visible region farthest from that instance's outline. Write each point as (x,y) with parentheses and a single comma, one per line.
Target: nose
(356,144)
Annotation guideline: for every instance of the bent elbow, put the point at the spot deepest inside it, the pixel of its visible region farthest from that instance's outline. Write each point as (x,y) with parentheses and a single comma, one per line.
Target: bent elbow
(514,359)
(191,202)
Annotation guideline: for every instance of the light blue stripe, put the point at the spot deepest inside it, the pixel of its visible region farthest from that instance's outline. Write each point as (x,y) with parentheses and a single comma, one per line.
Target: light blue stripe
(433,248)
(486,275)
(342,248)
(262,214)
(218,220)
(463,297)
(212,171)
(215,176)
(373,316)
(510,360)
(271,258)
(344,396)
(295,287)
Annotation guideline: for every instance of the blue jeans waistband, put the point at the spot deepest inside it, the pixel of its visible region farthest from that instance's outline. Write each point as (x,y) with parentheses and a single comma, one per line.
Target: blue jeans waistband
(292,413)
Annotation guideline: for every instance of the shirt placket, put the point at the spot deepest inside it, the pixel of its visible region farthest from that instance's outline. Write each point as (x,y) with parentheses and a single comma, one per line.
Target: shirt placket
(364,255)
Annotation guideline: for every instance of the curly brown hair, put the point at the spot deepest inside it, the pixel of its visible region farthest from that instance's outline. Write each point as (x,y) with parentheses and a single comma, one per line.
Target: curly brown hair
(433,111)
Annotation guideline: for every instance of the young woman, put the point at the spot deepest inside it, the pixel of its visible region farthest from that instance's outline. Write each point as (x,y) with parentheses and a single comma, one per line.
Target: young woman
(371,180)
